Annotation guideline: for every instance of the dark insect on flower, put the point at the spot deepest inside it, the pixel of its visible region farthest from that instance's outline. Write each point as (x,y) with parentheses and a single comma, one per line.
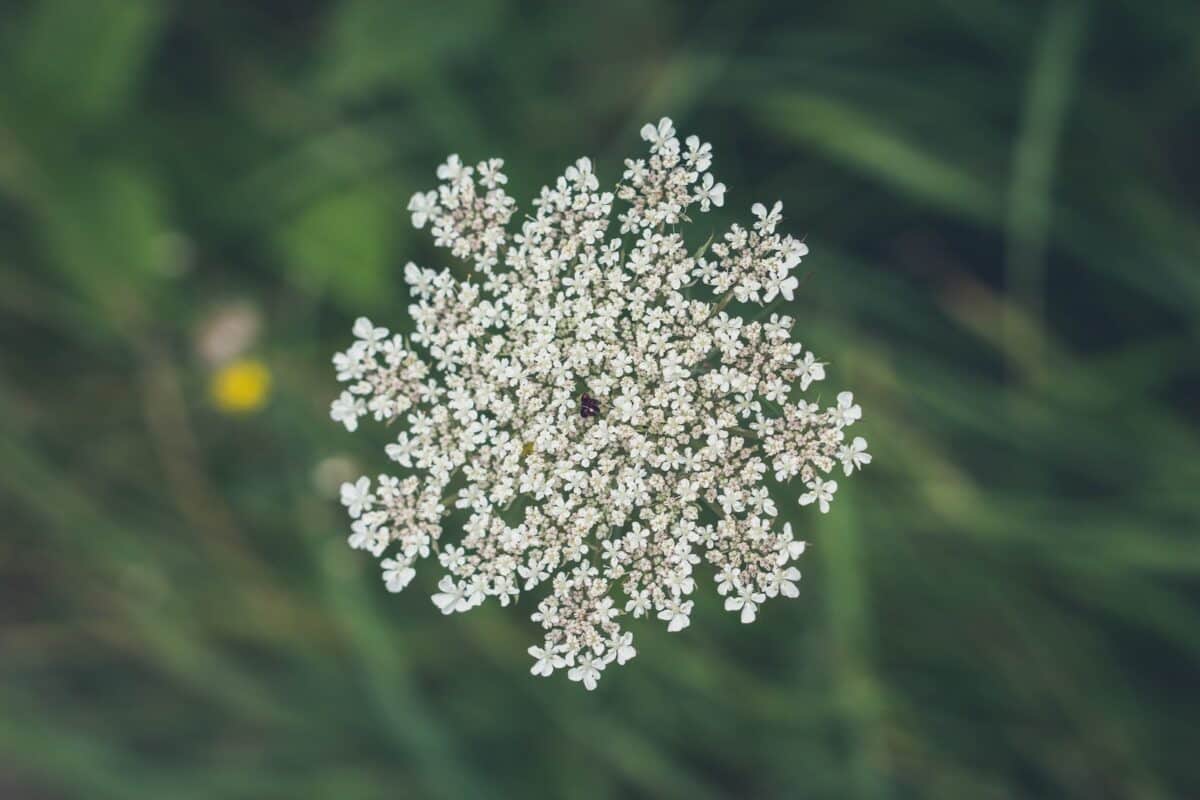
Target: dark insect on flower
(588,406)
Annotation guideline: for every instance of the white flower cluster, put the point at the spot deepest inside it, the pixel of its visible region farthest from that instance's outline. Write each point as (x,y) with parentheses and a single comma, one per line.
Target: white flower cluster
(600,419)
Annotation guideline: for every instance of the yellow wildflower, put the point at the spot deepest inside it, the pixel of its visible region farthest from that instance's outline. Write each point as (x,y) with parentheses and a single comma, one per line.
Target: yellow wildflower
(241,387)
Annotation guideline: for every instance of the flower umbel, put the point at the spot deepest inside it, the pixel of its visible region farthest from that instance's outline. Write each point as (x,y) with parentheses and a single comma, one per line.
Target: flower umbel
(593,406)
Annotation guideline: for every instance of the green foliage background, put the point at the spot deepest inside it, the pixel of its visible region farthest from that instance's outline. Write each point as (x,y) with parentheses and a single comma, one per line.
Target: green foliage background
(1000,200)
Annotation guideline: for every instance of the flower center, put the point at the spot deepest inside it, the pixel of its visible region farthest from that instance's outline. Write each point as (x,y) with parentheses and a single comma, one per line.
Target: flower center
(588,406)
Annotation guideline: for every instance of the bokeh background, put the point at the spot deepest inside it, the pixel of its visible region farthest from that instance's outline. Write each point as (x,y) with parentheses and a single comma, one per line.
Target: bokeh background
(196,199)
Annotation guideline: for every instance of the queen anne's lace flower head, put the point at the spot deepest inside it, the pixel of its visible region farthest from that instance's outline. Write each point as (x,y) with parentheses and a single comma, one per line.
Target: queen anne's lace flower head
(588,401)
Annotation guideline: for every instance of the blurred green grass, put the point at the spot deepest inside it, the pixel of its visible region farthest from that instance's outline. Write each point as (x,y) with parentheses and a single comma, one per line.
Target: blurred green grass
(1000,202)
